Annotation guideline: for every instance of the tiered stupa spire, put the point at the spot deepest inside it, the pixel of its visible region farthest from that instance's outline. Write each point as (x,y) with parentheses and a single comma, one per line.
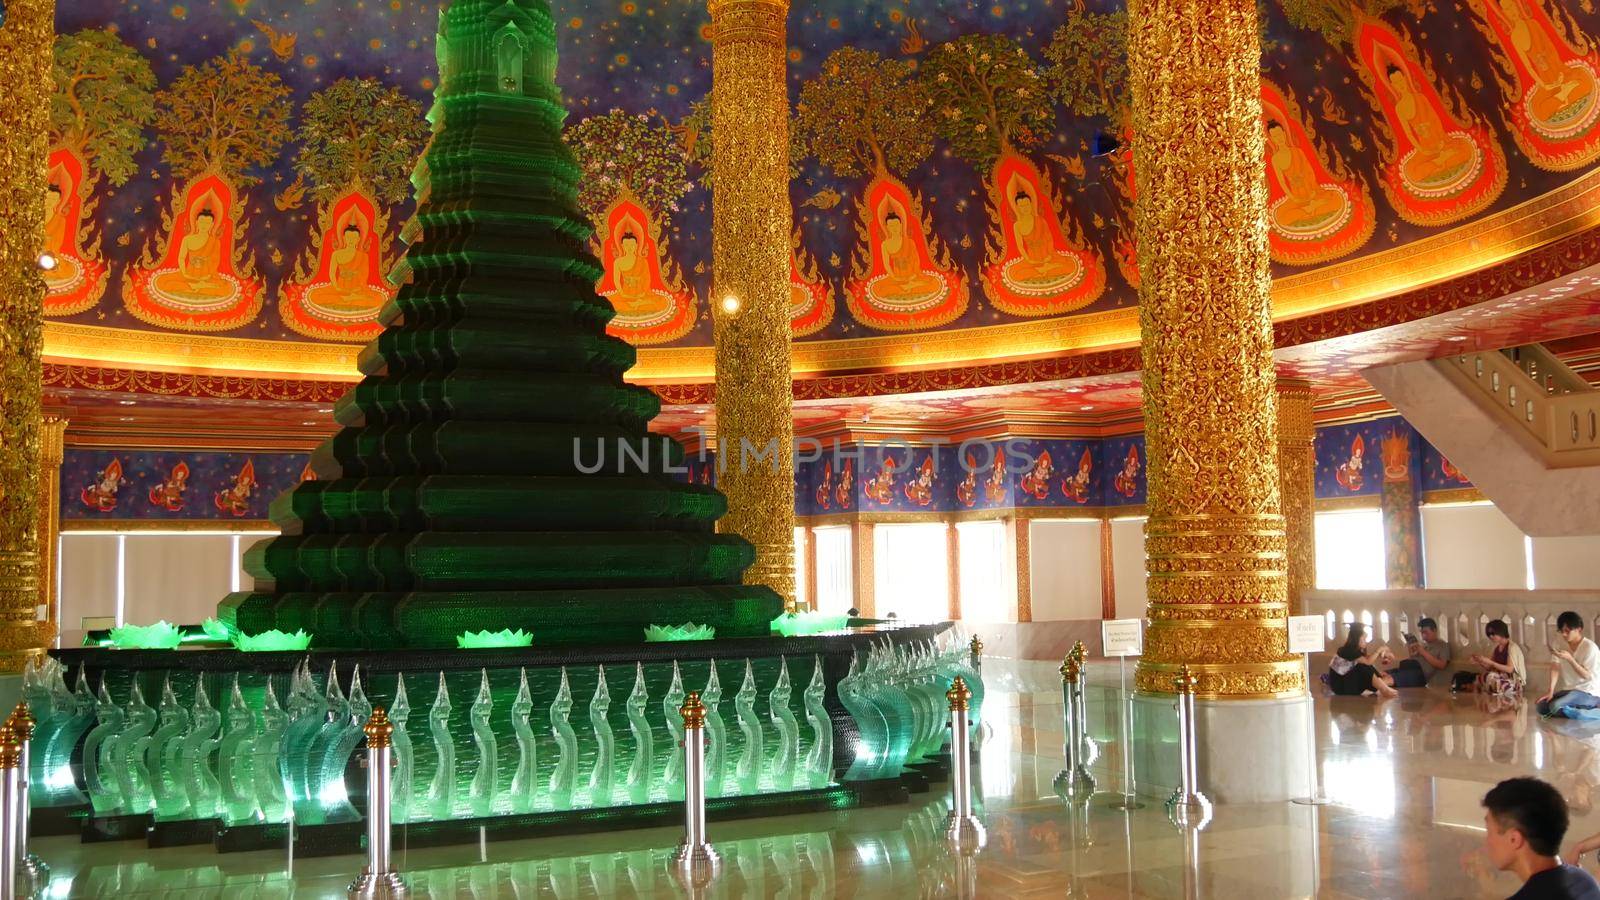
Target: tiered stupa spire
(454,497)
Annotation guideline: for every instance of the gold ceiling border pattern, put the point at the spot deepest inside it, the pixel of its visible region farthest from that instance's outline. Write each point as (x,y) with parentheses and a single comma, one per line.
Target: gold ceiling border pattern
(1525,245)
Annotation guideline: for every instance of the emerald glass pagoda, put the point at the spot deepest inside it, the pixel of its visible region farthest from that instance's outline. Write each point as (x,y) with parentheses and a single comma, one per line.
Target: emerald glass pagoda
(462,492)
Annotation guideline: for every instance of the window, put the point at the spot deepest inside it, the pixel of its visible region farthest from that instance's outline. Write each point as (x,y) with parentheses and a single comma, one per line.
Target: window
(984,577)
(800,566)
(912,571)
(1350,550)
(834,593)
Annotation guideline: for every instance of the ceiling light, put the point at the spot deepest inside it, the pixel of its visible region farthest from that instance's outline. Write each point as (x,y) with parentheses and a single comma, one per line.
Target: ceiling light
(47,261)
(730,304)
(127,402)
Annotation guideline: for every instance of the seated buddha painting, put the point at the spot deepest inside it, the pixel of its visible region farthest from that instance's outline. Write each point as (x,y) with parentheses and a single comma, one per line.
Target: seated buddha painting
(1314,215)
(1034,267)
(1554,74)
(811,302)
(1439,169)
(341,299)
(643,284)
(902,279)
(78,277)
(196,282)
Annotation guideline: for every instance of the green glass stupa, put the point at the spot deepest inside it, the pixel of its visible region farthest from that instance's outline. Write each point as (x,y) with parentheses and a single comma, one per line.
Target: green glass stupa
(461,492)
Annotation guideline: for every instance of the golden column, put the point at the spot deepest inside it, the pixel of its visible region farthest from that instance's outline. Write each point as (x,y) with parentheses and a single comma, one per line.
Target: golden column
(1215,538)
(52,453)
(1297,484)
(750,222)
(25,42)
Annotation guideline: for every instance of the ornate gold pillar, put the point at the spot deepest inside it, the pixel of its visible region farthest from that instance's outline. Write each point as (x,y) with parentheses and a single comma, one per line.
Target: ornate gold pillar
(750,222)
(1215,537)
(811,568)
(1019,534)
(952,550)
(1297,484)
(1108,574)
(864,567)
(52,452)
(25,42)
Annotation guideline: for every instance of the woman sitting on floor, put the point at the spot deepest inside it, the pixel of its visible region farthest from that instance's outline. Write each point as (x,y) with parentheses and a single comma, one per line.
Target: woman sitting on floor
(1355,669)
(1505,669)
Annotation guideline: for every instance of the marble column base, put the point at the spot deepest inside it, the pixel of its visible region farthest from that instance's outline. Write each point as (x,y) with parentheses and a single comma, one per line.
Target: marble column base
(1251,751)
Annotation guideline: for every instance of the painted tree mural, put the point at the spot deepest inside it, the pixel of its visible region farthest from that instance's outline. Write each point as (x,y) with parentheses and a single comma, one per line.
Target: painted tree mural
(866,116)
(216,121)
(634,174)
(359,140)
(102,101)
(992,104)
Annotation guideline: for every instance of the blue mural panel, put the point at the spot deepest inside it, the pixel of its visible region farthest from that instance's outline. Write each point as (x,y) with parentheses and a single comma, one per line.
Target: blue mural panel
(1350,457)
(1125,478)
(1438,473)
(979,477)
(1056,473)
(155,484)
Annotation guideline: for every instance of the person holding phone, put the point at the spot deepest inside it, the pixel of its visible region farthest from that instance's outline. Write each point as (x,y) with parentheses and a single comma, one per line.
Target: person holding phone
(1427,656)
(1574,673)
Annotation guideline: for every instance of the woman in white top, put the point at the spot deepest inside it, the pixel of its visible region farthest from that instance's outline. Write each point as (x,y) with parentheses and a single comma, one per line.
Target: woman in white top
(1505,669)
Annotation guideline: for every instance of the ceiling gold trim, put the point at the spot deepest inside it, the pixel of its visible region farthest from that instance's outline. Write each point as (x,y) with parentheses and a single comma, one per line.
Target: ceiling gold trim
(1477,245)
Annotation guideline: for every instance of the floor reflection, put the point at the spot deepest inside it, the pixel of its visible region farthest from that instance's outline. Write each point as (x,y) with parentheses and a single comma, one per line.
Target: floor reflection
(1404,778)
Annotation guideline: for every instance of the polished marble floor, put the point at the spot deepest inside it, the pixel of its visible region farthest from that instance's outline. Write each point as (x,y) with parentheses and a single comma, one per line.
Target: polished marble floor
(1404,779)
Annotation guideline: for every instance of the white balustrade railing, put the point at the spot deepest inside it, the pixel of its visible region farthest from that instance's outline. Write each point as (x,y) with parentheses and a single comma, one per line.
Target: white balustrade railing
(1461,616)
(1559,416)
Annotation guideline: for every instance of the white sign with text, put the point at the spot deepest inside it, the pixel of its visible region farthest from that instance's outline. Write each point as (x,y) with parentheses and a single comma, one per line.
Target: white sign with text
(1307,634)
(1122,637)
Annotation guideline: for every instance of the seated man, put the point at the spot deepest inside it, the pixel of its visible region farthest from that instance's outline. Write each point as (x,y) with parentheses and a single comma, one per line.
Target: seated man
(1524,821)
(1574,673)
(1428,655)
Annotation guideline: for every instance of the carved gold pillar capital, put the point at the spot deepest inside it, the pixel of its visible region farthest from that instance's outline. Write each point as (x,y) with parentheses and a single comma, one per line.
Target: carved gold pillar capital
(1215,537)
(25,42)
(1297,483)
(750,224)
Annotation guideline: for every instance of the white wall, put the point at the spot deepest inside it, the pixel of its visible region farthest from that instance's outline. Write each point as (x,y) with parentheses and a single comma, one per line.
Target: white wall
(911,571)
(1570,563)
(1127,566)
(1349,550)
(91,579)
(1472,545)
(1064,562)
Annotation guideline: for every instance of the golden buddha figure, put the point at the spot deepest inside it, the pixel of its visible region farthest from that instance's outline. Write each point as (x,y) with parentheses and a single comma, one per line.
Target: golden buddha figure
(198,274)
(58,241)
(634,290)
(904,282)
(1560,88)
(346,291)
(1307,203)
(1438,154)
(1040,265)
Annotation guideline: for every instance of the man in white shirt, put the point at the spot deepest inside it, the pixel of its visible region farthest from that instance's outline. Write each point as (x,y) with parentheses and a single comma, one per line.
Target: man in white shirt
(1574,673)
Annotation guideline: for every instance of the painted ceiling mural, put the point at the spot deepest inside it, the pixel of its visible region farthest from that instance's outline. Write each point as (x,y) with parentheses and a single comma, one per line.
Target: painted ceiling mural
(241,167)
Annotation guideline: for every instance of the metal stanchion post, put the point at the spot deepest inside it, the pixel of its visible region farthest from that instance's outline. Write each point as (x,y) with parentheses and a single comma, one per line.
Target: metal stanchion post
(1130,793)
(963,830)
(379,879)
(1187,805)
(10,810)
(975,654)
(32,873)
(695,863)
(1075,780)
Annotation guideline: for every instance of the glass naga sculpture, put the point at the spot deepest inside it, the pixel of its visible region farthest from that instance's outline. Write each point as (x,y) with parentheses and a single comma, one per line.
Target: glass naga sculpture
(819,756)
(639,770)
(565,774)
(267,759)
(235,759)
(525,783)
(344,733)
(401,787)
(716,734)
(783,762)
(195,752)
(441,800)
(161,757)
(601,778)
(100,762)
(486,778)
(672,778)
(747,772)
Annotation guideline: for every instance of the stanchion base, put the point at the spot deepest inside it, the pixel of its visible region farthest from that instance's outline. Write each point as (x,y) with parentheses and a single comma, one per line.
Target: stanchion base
(378,886)
(33,876)
(695,865)
(1074,784)
(1125,802)
(1193,811)
(965,834)
(1318,800)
